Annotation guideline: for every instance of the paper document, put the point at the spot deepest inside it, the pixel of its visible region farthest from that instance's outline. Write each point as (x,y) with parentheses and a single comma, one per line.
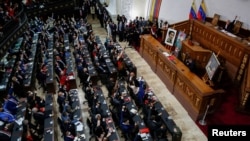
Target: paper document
(79,126)
(19,121)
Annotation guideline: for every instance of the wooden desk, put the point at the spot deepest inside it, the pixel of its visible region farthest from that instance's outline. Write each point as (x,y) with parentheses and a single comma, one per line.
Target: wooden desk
(199,54)
(231,48)
(188,88)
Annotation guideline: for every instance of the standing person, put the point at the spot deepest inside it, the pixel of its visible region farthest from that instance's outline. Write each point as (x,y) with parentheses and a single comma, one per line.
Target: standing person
(121,30)
(113,27)
(83,12)
(18,87)
(109,31)
(100,15)
(154,30)
(92,11)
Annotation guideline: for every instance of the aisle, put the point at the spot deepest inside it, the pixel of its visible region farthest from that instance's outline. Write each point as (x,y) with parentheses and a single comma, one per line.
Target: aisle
(190,131)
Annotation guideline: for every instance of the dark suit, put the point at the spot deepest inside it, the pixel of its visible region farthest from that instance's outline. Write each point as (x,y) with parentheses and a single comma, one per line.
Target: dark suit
(69,138)
(40,117)
(230,26)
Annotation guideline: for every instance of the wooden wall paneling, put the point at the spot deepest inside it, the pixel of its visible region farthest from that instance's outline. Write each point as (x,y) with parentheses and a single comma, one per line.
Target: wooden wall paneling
(142,46)
(165,72)
(199,54)
(183,26)
(232,48)
(150,55)
(245,89)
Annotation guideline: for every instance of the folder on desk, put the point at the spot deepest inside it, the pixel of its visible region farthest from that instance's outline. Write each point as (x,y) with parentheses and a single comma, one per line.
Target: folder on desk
(134,111)
(171,57)
(71,77)
(144,130)
(19,121)
(166,54)
(79,126)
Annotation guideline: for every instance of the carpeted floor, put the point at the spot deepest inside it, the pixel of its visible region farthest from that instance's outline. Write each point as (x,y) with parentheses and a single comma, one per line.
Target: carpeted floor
(227,113)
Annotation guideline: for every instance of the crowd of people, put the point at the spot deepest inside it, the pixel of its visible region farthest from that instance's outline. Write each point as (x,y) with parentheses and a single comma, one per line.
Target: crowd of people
(8,11)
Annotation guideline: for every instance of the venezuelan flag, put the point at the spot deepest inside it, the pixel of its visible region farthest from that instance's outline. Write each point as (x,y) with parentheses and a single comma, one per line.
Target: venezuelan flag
(155,9)
(202,11)
(192,14)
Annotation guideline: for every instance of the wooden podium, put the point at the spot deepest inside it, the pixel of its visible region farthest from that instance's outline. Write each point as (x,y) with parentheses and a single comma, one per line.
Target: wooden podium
(197,53)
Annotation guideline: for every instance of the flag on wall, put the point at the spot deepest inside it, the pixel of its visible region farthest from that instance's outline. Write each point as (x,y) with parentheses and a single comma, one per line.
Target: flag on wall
(192,14)
(155,9)
(202,11)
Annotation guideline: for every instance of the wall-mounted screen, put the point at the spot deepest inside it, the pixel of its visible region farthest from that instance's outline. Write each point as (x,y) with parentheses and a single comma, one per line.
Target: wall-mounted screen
(212,66)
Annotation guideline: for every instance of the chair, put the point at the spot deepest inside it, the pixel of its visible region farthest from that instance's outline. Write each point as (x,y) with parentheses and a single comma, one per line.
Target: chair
(237,27)
(215,19)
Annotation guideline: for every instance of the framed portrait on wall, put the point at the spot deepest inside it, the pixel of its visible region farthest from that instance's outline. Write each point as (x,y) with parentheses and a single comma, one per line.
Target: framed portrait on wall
(170,36)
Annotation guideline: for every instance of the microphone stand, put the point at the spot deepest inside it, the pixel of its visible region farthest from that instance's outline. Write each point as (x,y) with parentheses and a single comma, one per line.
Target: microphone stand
(202,121)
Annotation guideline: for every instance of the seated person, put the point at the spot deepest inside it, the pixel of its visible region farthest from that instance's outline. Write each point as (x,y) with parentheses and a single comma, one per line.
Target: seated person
(69,136)
(61,100)
(83,76)
(99,131)
(96,109)
(153,125)
(39,116)
(6,117)
(98,121)
(32,133)
(65,117)
(11,104)
(110,86)
(17,84)
(125,125)
(230,25)
(190,64)
(35,101)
